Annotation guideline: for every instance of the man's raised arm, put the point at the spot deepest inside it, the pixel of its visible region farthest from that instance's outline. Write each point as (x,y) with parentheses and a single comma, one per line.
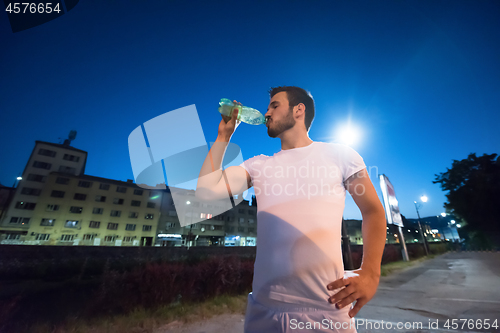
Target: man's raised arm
(213,183)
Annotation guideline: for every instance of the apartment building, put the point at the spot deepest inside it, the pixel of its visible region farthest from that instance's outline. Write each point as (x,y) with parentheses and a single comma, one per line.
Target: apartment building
(56,203)
(45,158)
(236,226)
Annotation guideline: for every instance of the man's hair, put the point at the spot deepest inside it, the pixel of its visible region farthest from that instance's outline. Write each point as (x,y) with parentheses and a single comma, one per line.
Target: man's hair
(295,96)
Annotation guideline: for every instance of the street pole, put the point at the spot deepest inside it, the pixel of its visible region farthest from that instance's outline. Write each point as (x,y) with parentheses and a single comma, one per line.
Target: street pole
(346,248)
(421,232)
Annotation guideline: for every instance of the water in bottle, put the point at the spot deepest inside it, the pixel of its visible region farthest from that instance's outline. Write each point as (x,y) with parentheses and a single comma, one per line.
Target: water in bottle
(245,114)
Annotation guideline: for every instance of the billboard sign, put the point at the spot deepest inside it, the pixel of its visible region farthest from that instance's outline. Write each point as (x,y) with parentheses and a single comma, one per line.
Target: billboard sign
(390,202)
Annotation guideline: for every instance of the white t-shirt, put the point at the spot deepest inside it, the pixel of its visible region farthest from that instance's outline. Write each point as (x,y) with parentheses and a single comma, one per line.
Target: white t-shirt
(300,195)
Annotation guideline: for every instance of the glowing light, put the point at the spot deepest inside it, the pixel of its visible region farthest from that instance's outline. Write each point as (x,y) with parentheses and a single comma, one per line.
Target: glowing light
(424,198)
(19,178)
(459,226)
(188,202)
(452,221)
(443,214)
(349,134)
(155,197)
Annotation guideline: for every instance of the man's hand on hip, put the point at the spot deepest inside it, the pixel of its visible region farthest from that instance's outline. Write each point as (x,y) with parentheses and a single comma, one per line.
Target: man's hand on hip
(358,285)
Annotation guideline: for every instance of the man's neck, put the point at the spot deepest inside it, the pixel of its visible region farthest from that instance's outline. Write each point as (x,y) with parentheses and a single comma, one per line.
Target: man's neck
(295,139)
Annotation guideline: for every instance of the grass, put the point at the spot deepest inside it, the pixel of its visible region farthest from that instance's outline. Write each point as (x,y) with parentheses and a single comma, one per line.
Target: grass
(397,266)
(148,321)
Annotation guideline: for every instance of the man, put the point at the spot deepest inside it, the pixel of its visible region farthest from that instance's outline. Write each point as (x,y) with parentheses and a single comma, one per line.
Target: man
(299,281)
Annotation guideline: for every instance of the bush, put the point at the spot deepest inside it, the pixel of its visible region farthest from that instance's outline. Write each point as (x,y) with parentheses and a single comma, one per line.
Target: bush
(157,284)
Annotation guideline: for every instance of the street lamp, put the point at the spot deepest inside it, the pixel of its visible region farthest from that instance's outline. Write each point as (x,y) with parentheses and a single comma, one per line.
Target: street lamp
(18,179)
(424,199)
(190,237)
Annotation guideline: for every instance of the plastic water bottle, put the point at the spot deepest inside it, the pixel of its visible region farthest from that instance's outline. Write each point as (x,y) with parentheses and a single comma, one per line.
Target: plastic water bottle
(245,114)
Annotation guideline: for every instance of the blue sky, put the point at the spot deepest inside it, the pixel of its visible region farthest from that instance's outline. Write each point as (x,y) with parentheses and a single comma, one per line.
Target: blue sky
(421,79)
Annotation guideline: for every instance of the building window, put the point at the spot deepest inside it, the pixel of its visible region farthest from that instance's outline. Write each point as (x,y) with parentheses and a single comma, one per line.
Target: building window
(84,183)
(241,229)
(121,189)
(136,203)
(30,191)
(251,229)
(80,196)
(133,215)
(88,237)
(149,216)
(42,165)
(67,238)
(230,219)
(172,213)
(67,170)
(104,187)
(241,220)
(76,210)
(94,224)
(116,213)
(241,211)
(48,222)
(71,224)
(97,210)
(230,229)
(251,212)
(118,201)
(52,208)
(110,238)
(13,236)
(154,194)
(251,221)
(72,158)
(147,227)
(218,227)
(113,226)
(57,194)
(171,224)
(46,152)
(36,178)
(128,239)
(130,227)
(42,237)
(25,205)
(100,198)
(62,180)
(151,205)
(138,192)
(19,220)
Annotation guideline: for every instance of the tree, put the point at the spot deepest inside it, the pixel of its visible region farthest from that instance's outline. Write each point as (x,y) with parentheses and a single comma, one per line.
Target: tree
(473,186)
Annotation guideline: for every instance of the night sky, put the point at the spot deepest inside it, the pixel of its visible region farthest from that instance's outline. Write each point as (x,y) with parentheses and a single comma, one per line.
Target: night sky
(420,79)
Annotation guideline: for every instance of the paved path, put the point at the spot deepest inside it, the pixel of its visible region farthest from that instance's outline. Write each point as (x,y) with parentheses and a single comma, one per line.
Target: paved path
(452,286)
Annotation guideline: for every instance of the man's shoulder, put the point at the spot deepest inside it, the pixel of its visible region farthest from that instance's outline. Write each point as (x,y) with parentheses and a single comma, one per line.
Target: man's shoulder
(256,159)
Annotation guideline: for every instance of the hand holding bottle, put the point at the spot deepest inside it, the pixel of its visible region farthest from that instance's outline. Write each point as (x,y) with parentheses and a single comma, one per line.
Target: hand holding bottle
(228,124)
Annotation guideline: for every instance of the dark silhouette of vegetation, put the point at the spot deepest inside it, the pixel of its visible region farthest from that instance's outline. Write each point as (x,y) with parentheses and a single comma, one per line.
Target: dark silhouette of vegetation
(473,186)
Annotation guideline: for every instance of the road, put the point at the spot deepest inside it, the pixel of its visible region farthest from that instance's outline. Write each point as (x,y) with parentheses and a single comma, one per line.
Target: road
(461,286)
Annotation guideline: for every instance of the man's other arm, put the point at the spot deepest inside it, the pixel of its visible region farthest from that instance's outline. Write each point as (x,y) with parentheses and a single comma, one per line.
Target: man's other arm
(361,284)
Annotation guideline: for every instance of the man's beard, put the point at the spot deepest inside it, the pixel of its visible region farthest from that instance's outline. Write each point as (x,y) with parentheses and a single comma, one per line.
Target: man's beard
(280,127)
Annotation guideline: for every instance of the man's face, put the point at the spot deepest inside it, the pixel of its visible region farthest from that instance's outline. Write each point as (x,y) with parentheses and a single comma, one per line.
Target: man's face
(280,115)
